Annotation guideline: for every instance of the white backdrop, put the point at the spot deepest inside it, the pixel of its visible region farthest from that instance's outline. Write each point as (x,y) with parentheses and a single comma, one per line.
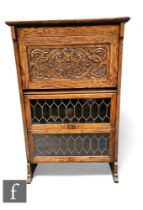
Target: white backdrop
(75,186)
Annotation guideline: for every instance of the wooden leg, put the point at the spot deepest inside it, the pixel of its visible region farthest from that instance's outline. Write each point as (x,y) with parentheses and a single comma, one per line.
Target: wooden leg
(114,169)
(30,171)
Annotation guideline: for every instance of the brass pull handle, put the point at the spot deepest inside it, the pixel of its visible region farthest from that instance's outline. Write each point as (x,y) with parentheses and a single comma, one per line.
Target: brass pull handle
(71,126)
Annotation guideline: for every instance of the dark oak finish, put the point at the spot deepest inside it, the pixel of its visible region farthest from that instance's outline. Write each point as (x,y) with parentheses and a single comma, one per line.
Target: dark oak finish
(69,75)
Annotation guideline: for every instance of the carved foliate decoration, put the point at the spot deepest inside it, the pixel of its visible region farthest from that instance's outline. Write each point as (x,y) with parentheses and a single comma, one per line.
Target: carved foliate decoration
(68,62)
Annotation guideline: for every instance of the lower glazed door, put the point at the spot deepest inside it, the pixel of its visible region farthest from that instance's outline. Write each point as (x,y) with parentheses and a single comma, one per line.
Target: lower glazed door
(71,147)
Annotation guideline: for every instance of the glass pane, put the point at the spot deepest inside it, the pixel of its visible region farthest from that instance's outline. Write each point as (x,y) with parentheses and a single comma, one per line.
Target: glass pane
(71,144)
(93,110)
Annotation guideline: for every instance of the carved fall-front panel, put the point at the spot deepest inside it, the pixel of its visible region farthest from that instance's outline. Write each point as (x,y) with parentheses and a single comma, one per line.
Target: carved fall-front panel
(83,62)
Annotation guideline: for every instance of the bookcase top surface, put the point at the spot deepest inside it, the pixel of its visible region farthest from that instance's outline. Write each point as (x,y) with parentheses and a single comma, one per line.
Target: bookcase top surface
(69,22)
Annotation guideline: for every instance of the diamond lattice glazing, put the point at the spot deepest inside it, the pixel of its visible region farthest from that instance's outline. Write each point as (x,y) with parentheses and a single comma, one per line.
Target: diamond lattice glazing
(71,144)
(90,110)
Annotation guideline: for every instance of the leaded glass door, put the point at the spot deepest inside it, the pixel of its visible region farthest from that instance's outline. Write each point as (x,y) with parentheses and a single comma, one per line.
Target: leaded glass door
(71,126)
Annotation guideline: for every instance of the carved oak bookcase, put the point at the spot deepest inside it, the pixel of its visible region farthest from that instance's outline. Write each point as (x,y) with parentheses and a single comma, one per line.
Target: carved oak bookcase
(69,75)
